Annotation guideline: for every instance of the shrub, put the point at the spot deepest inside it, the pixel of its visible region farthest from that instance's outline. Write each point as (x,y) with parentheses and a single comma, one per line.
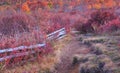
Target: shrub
(100,21)
(15,23)
(109,27)
(78,25)
(102,16)
(53,22)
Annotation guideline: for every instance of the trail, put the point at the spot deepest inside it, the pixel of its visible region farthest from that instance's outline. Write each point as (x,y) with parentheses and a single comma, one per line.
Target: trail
(67,53)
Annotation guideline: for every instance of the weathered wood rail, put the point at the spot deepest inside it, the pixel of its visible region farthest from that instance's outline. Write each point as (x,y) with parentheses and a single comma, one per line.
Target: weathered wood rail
(12,53)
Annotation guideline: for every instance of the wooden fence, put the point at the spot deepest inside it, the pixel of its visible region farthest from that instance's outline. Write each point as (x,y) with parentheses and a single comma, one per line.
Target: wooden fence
(12,53)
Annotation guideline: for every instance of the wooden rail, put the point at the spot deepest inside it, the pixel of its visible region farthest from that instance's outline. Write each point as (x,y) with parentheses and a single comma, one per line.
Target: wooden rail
(54,35)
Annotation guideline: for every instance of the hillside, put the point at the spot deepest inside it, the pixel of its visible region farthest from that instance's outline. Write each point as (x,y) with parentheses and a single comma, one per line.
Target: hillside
(59,36)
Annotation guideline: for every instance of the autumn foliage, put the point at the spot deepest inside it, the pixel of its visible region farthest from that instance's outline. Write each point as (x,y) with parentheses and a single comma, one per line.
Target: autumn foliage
(30,21)
(98,4)
(25,7)
(100,21)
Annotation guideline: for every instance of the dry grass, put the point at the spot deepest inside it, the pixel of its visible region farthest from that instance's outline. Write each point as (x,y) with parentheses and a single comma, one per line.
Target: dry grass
(109,48)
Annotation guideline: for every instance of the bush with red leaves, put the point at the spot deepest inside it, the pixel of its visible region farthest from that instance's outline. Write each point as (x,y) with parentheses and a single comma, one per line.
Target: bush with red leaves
(100,21)
(102,16)
(111,26)
(15,23)
(54,22)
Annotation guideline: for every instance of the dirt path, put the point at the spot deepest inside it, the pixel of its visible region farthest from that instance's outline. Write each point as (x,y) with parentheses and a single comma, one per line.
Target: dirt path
(67,53)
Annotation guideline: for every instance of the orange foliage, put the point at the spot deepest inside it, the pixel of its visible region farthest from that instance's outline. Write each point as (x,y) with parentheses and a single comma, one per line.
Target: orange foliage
(100,1)
(97,5)
(79,1)
(50,4)
(45,3)
(89,6)
(109,3)
(25,7)
(60,3)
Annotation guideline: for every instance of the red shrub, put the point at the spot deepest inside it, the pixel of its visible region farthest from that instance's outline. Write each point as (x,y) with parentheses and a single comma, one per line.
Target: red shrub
(16,23)
(100,21)
(109,27)
(53,22)
(102,16)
